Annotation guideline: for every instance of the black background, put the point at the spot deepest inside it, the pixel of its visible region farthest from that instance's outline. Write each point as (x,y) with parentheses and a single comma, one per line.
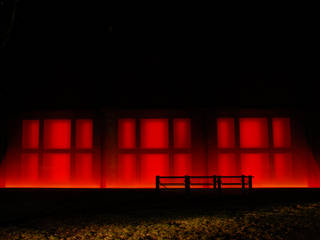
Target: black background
(75,54)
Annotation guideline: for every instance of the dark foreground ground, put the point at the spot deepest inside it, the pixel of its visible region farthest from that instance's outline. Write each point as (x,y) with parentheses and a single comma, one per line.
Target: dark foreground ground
(170,214)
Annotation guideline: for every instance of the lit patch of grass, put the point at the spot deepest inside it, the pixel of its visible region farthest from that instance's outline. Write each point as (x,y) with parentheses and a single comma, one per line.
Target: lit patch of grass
(281,222)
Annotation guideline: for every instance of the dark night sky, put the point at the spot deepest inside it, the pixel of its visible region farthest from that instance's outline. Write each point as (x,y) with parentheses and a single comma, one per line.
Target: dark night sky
(77,55)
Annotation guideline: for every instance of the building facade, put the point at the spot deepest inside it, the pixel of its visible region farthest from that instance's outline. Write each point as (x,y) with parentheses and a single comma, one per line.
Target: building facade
(110,148)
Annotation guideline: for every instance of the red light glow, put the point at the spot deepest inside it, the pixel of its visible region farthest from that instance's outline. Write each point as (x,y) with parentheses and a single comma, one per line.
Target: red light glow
(84,134)
(225,132)
(83,167)
(29,168)
(154,133)
(127,133)
(127,170)
(253,132)
(182,164)
(258,165)
(227,164)
(182,133)
(30,134)
(281,132)
(151,166)
(283,167)
(56,168)
(67,158)
(57,134)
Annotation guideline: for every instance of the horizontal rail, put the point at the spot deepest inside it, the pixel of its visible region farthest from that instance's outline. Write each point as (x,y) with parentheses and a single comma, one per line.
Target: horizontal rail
(216,181)
(203,176)
(172,184)
(201,184)
(232,183)
(171,176)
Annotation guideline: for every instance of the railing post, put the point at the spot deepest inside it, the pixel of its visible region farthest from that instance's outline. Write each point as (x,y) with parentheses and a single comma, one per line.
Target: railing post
(158,183)
(214,182)
(187,183)
(219,183)
(243,186)
(250,182)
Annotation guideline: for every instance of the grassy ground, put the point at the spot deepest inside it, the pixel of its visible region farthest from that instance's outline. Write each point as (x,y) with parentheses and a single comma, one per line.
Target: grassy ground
(176,216)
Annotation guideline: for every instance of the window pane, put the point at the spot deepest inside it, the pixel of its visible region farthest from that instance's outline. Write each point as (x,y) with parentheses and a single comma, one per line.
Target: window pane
(253,132)
(127,170)
(281,132)
(56,168)
(30,134)
(84,133)
(182,133)
(57,134)
(227,164)
(182,164)
(151,166)
(257,165)
(283,167)
(29,168)
(127,133)
(226,133)
(84,167)
(154,133)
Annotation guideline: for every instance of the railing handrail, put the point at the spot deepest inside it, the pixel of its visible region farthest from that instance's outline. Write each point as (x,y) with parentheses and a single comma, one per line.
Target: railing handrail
(212,176)
(216,181)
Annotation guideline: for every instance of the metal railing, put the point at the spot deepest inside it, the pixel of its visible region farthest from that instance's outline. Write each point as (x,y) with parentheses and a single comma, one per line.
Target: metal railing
(217,181)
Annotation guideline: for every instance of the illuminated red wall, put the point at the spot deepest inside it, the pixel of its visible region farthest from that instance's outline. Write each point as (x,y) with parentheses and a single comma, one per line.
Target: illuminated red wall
(130,152)
(60,155)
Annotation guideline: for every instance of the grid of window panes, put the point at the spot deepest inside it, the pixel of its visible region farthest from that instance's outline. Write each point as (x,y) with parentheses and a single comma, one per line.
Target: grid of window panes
(57,152)
(152,146)
(258,146)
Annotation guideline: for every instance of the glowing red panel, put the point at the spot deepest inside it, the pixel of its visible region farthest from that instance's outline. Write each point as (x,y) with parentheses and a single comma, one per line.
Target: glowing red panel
(253,132)
(257,165)
(182,133)
(83,166)
(283,166)
(227,164)
(281,132)
(127,133)
(56,167)
(29,167)
(127,170)
(57,134)
(154,133)
(182,164)
(225,133)
(151,166)
(30,134)
(84,133)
